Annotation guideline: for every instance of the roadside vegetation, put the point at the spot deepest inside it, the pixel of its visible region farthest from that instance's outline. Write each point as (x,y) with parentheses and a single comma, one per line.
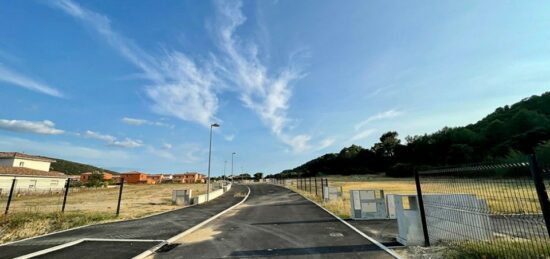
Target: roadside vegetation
(32,215)
(504,135)
(20,225)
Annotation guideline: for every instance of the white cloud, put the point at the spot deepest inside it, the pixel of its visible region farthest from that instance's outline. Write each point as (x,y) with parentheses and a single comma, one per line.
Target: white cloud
(128,143)
(99,136)
(266,94)
(139,122)
(39,127)
(167,146)
(380,116)
(362,135)
(113,141)
(229,137)
(325,143)
(178,86)
(17,79)
(186,89)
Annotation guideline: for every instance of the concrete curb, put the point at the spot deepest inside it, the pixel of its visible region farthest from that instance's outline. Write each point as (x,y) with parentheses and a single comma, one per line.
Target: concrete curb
(383,247)
(188,231)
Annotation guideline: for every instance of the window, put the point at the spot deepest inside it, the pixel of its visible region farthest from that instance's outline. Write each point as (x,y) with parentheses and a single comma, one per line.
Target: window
(21,163)
(54,183)
(32,184)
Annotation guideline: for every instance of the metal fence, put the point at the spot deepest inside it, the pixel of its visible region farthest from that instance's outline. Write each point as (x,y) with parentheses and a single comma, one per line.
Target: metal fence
(499,209)
(313,185)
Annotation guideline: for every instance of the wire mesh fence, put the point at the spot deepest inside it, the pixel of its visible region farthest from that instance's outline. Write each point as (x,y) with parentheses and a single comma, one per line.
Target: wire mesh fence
(493,208)
(490,210)
(135,199)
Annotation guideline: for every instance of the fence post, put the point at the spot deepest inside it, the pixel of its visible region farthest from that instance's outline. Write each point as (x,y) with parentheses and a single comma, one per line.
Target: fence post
(315,186)
(67,186)
(310,184)
(421,207)
(10,196)
(119,196)
(536,173)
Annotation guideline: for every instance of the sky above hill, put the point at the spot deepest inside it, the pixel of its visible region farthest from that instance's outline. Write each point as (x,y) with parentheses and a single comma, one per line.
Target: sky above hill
(134,85)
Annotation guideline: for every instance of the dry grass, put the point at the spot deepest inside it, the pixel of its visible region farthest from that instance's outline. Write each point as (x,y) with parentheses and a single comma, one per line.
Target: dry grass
(39,214)
(502,195)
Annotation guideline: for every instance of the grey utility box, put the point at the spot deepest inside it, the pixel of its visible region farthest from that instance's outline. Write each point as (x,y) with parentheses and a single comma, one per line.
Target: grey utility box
(449,217)
(332,193)
(408,220)
(390,205)
(181,197)
(368,204)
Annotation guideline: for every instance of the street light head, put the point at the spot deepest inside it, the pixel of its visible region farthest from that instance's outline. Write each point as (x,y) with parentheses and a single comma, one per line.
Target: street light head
(215,125)
(234,153)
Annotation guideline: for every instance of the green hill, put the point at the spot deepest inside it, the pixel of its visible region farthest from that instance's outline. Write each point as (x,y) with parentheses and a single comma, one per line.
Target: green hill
(74,168)
(509,132)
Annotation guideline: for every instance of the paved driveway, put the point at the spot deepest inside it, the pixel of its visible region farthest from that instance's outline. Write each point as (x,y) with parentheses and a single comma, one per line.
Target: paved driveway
(275,222)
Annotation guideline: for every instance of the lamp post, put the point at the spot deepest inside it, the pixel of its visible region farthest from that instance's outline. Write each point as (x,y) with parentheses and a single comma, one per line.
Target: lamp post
(209,158)
(232,155)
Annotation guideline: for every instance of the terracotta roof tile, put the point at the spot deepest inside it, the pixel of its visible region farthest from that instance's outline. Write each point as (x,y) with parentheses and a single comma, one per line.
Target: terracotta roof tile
(8,170)
(24,156)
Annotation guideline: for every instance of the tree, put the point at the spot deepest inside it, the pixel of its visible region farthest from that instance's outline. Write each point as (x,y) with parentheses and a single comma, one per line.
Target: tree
(388,142)
(96,180)
(258,176)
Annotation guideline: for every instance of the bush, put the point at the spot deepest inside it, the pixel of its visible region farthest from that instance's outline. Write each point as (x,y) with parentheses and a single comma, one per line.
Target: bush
(401,170)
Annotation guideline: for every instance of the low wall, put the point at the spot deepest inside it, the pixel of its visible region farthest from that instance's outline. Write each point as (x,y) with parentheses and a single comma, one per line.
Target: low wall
(213,195)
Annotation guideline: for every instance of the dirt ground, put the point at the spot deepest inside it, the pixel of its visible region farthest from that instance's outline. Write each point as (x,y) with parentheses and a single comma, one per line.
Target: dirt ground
(137,200)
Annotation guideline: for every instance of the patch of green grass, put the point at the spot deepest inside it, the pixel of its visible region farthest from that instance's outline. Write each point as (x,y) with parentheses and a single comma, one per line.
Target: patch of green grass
(499,249)
(22,225)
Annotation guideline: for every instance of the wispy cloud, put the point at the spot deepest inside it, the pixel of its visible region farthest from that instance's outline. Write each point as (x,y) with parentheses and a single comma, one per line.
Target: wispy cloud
(139,122)
(99,136)
(14,78)
(112,140)
(178,86)
(380,116)
(266,94)
(38,127)
(229,137)
(362,135)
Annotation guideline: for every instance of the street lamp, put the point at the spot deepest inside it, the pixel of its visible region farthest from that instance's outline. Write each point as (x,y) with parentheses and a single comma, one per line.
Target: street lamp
(232,155)
(209,158)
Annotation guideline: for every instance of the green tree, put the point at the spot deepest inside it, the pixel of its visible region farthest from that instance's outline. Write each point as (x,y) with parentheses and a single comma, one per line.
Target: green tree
(388,143)
(96,180)
(258,176)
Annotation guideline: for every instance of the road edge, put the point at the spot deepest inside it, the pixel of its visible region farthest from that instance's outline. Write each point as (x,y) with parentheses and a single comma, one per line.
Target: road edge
(152,250)
(374,241)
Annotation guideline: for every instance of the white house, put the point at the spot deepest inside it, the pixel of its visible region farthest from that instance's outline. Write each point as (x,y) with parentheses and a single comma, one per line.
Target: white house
(14,159)
(29,179)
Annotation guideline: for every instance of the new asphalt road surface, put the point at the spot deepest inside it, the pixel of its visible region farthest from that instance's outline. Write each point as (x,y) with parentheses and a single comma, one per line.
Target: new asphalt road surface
(124,239)
(274,222)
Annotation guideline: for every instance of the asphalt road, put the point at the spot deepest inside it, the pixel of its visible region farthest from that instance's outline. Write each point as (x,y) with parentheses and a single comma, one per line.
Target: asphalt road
(159,227)
(274,222)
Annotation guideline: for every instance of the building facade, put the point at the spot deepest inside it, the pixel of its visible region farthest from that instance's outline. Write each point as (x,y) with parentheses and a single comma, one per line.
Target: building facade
(15,159)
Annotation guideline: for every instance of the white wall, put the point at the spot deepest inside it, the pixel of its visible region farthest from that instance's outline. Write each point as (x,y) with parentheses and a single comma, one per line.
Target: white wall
(37,165)
(31,184)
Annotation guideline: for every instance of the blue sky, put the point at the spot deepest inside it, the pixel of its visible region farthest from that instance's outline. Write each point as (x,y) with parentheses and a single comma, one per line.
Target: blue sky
(133,85)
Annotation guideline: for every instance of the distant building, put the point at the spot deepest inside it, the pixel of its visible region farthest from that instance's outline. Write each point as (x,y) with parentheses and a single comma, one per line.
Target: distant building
(85,177)
(134,177)
(15,159)
(189,178)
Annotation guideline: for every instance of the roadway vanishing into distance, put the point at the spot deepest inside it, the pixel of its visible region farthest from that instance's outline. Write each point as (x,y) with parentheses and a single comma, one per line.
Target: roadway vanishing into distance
(272,222)
(275,222)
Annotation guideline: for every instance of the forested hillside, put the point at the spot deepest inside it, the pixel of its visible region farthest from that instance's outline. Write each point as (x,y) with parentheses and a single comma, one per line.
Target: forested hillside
(507,133)
(74,168)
